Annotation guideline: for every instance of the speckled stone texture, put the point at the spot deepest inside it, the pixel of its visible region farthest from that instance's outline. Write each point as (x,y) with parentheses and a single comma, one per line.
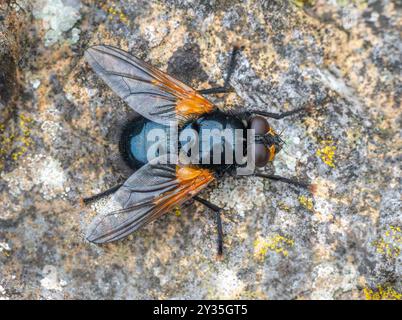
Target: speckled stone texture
(59,124)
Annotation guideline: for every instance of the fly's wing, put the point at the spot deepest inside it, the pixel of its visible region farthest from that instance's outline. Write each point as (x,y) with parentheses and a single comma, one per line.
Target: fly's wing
(149,193)
(149,91)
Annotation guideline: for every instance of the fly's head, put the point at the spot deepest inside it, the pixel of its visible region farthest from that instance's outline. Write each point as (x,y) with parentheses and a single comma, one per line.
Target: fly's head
(267,142)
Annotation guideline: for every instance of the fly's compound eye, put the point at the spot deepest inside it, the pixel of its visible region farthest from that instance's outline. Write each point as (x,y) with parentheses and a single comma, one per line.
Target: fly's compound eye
(260,125)
(261,155)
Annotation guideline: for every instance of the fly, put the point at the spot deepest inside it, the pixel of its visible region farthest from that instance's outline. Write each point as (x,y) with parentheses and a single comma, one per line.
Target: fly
(163,102)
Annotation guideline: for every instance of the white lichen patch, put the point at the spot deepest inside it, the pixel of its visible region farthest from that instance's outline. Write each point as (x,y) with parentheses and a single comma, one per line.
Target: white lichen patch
(324,204)
(51,279)
(106,205)
(324,209)
(335,82)
(51,175)
(154,34)
(3,293)
(239,195)
(58,17)
(226,284)
(350,17)
(4,246)
(52,128)
(35,83)
(328,280)
(292,151)
(40,171)
(162,30)
(75,35)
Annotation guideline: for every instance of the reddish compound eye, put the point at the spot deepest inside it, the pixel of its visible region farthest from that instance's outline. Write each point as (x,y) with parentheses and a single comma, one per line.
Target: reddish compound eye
(261,155)
(260,125)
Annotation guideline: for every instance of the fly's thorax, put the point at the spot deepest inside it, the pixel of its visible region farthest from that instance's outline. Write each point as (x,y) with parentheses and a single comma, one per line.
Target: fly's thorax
(215,140)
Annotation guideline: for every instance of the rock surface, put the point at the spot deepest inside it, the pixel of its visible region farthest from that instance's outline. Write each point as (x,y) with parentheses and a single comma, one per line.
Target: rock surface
(58,131)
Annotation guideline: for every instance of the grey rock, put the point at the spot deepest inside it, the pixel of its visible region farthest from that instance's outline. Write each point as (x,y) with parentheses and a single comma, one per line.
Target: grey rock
(341,58)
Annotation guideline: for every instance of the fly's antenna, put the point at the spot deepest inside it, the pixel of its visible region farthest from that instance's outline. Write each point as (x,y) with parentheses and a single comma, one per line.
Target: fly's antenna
(280,137)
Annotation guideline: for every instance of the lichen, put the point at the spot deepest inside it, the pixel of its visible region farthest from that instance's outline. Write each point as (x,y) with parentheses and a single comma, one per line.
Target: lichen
(51,279)
(37,170)
(341,61)
(5,249)
(306,202)
(275,243)
(116,13)
(302,3)
(177,211)
(360,4)
(24,140)
(390,243)
(226,285)
(58,18)
(386,292)
(239,195)
(327,153)
(14,142)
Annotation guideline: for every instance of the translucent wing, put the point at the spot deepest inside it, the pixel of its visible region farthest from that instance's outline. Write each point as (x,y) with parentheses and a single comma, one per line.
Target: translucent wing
(149,91)
(149,193)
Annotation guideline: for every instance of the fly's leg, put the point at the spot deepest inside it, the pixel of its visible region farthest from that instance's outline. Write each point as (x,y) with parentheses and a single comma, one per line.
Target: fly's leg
(279,115)
(216,90)
(226,88)
(101,195)
(308,108)
(311,187)
(232,65)
(217,211)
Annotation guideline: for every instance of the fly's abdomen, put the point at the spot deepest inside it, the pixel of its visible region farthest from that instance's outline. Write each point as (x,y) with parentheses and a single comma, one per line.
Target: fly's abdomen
(141,140)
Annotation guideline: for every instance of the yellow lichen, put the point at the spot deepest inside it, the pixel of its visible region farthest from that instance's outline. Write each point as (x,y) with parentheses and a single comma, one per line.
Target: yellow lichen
(177,211)
(275,243)
(24,140)
(6,253)
(390,244)
(115,12)
(360,4)
(302,3)
(19,141)
(327,153)
(283,206)
(306,202)
(382,293)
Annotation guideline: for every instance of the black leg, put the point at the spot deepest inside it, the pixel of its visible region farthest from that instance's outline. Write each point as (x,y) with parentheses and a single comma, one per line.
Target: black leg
(311,187)
(232,65)
(226,86)
(101,195)
(278,115)
(216,90)
(217,211)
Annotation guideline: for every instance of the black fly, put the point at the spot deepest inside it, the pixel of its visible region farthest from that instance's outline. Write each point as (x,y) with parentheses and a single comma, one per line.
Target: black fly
(164,102)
